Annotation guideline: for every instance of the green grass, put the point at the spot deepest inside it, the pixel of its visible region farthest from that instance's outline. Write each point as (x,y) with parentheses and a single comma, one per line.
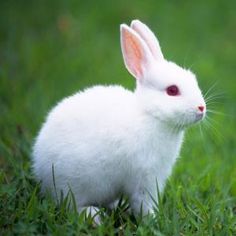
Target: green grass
(51,49)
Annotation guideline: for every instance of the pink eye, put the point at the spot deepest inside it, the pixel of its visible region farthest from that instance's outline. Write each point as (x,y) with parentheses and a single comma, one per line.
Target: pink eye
(172,90)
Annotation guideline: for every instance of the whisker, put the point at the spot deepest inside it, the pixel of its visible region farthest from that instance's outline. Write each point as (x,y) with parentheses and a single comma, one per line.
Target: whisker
(192,65)
(209,103)
(219,113)
(212,121)
(213,93)
(215,112)
(200,128)
(210,89)
(208,123)
(214,97)
(205,126)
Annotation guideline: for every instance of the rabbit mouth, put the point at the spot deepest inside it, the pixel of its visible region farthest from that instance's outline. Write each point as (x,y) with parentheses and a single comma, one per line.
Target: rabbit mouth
(187,121)
(199,116)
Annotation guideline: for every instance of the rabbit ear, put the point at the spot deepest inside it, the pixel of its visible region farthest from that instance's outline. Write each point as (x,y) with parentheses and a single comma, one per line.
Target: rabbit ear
(148,36)
(136,54)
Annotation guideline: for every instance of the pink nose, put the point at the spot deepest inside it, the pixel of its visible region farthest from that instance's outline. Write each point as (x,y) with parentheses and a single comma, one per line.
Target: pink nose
(201,108)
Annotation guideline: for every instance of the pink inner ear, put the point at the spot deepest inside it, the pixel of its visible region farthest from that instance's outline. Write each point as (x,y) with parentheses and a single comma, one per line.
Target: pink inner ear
(149,37)
(133,55)
(148,41)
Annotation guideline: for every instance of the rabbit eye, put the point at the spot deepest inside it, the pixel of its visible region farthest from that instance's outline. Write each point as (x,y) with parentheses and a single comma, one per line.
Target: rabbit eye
(172,90)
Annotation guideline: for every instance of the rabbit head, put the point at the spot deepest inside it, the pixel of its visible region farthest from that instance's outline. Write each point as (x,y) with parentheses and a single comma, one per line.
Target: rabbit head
(164,90)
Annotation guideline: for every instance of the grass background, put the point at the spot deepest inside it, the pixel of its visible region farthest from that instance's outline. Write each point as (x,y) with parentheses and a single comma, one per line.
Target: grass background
(51,49)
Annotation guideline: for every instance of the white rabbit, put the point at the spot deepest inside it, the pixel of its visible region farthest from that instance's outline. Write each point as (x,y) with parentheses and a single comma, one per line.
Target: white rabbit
(107,141)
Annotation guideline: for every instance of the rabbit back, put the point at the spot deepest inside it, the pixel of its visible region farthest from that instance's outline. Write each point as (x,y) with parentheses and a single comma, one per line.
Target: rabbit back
(86,140)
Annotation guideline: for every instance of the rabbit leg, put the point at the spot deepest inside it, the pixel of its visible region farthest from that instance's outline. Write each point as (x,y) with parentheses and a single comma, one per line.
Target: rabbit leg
(93,212)
(141,203)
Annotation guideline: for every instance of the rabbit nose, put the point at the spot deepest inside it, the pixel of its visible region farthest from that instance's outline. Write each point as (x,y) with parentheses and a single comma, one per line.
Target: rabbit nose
(201,108)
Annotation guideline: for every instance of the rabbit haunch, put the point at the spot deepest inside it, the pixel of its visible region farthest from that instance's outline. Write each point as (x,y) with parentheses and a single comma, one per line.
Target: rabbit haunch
(108,141)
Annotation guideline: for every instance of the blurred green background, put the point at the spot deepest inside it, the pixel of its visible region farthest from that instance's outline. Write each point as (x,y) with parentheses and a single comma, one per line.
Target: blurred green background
(51,49)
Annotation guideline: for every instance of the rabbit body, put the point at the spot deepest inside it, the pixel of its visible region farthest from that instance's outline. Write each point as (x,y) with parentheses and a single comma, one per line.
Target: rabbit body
(108,141)
(102,145)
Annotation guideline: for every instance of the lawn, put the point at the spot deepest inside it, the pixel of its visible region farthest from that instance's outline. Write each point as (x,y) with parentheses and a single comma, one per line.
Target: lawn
(51,49)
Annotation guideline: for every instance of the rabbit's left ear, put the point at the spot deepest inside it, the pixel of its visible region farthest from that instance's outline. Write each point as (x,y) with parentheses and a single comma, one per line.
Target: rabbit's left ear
(149,37)
(136,54)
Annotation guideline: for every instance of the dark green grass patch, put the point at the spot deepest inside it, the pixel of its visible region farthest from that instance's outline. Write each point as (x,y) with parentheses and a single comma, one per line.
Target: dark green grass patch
(51,49)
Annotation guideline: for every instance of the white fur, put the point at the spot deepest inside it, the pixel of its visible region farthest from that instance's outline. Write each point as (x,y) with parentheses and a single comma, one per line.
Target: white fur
(107,141)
